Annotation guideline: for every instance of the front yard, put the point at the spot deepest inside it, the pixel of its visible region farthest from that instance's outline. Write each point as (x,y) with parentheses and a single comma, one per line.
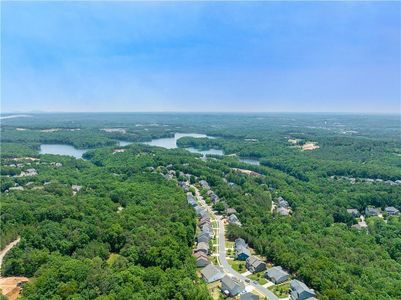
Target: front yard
(237,265)
(258,277)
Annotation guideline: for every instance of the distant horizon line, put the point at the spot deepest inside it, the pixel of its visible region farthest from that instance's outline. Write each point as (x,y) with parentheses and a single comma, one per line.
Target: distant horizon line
(199,112)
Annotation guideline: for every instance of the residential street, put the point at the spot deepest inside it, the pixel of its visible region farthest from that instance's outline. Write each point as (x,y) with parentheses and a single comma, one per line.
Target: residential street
(228,269)
(222,252)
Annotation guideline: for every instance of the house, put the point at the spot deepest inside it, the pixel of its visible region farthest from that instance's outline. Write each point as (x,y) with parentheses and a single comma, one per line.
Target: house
(204,184)
(391,211)
(207,229)
(201,259)
(230,211)
(201,212)
(281,202)
(249,296)
(282,211)
(214,198)
(202,247)
(203,237)
(299,291)
(360,226)
(371,211)
(76,188)
(277,275)
(231,286)
(241,250)
(212,273)
(232,219)
(255,265)
(204,220)
(353,212)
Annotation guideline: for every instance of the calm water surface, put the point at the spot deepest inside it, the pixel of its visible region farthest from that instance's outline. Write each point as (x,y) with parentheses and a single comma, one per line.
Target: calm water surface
(168,143)
(171,143)
(60,149)
(249,160)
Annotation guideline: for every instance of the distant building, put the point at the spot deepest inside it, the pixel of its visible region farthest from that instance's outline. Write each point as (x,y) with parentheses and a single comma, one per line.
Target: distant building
(371,211)
(299,291)
(212,273)
(277,275)
(241,250)
(214,198)
(204,184)
(232,219)
(353,212)
(230,211)
(281,202)
(231,286)
(255,265)
(392,211)
(282,211)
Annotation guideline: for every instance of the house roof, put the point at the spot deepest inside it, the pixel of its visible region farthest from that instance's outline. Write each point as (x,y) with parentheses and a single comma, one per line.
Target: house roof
(232,283)
(240,241)
(233,218)
(199,254)
(283,211)
(352,211)
(276,273)
(202,246)
(230,211)
(391,209)
(299,287)
(254,261)
(249,296)
(210,271)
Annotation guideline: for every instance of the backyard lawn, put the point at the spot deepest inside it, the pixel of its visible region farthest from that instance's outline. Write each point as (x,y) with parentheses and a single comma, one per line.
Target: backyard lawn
(280,290)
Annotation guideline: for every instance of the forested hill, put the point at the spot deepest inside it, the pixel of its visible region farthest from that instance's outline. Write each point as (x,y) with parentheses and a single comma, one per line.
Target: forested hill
(89,246)
(128,230)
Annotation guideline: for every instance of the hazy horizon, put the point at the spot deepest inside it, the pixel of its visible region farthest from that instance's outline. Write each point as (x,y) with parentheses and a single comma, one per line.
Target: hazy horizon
(237,57)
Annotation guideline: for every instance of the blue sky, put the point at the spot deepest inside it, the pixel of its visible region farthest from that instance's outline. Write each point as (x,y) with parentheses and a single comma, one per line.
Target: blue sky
(203,56)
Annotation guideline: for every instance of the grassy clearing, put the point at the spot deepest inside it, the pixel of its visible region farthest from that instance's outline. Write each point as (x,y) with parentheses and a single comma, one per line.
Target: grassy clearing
(237,265)
(258,277)
(280,290)
(112,258)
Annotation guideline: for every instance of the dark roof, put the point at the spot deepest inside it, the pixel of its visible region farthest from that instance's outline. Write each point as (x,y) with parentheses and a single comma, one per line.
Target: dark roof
(299,287)
(249,296)
(210,271)
(276,273)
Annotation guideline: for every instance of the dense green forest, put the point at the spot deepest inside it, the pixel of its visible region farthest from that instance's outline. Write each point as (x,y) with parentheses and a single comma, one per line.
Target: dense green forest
(130,232)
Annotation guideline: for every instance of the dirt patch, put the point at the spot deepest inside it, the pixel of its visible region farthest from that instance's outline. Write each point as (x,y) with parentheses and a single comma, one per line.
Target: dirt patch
(310,146)
(11,286)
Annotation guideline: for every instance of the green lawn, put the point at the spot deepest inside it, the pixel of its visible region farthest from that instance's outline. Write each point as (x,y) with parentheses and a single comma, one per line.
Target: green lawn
(237,265)
(280,290)
(259,277)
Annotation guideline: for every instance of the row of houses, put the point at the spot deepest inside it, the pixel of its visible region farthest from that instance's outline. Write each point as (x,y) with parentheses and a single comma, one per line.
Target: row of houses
(230,286)
(298,290)
(203,238)
(372,211)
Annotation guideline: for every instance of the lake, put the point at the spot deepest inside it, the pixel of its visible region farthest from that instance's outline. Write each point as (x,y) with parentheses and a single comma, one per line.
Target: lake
(171,143)
(60,149)
(249,160)
(168,143)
